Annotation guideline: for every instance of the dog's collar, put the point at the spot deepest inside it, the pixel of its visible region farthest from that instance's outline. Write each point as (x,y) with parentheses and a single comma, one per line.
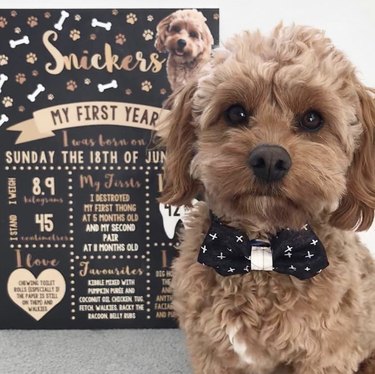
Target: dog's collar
(229,251)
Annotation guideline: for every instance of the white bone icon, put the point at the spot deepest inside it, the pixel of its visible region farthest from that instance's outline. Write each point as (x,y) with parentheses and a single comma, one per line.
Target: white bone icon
(3,79)
(40,88)
(105,25)
(14,43)
(3,118)
(171,215)
(59,24)
(103,87)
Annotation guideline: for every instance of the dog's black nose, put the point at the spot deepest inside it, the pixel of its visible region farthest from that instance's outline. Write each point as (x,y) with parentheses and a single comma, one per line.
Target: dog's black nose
(181,43)
(270,162)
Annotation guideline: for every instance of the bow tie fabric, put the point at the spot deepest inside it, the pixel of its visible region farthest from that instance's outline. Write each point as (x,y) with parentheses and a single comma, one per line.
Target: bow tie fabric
(229,251)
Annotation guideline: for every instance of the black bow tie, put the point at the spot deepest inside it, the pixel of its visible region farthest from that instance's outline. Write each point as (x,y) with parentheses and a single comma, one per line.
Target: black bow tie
(229,251)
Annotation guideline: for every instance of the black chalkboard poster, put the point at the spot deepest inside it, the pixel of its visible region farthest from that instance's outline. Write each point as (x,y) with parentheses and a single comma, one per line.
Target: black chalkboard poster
(83,240)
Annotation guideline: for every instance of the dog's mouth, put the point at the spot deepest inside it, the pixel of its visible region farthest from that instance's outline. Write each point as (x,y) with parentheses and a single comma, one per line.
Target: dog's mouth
(178,52)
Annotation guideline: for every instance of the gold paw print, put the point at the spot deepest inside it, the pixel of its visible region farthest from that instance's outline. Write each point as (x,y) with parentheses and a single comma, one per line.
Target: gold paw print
(3,22)
(71,85)
(131,18)
(7,102)
(146,86)
(3,60)
(74,34)
(148,34)
(31,58)
(32,21)
(120,39)
(21,78)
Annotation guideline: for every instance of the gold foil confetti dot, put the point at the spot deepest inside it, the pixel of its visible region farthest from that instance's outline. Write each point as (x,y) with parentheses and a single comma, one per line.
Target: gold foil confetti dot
(216,16)
(47,15)
(163,91)
(114,12)
(17,30)
(146,86)
(32,21)
(7,101)
(148,34)
(150,18)
(131,18)
(128,91)
(35,73)
(93,36)
(75,34)
(77,17)
(87,81)
(13,13)
(50,97)
(71,85)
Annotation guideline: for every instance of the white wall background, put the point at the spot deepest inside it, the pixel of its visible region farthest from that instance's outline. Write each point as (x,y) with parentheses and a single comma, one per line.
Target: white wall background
(349,23)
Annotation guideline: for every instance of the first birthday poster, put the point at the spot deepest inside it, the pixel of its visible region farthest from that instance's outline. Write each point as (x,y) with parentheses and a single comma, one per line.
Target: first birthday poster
(84,242)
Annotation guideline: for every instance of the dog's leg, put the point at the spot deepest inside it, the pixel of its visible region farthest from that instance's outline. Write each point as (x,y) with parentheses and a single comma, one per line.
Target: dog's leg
(367,366)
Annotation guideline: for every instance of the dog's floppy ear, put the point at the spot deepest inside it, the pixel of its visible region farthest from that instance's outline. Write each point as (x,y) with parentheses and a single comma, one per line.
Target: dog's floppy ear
(207,36)
(177,136)
(356,209)
(161,33)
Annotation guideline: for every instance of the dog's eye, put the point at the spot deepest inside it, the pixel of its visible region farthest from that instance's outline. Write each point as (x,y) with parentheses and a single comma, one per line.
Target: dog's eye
(194,34)
(311,120)
(175,29)
(236,114)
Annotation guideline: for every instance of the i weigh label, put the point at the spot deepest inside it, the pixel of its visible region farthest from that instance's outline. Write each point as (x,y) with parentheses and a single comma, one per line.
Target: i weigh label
(84,242)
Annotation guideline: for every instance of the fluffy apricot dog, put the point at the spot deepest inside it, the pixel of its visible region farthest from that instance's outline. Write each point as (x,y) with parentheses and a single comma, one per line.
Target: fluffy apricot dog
(278,135)
(186,37)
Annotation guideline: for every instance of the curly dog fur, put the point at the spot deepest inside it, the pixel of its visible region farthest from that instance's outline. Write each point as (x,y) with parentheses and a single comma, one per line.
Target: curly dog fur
(264,322)
(185,35)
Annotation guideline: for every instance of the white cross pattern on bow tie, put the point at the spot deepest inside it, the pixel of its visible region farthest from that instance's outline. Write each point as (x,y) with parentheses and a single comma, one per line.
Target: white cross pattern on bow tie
(248,258)
(314,242)
(221,256)
(204,249)
(246,268)
(213,236)
(307,268)
(292,268)
(239,239)
(304,227)
(229,249)
(231,270)
(309,254)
